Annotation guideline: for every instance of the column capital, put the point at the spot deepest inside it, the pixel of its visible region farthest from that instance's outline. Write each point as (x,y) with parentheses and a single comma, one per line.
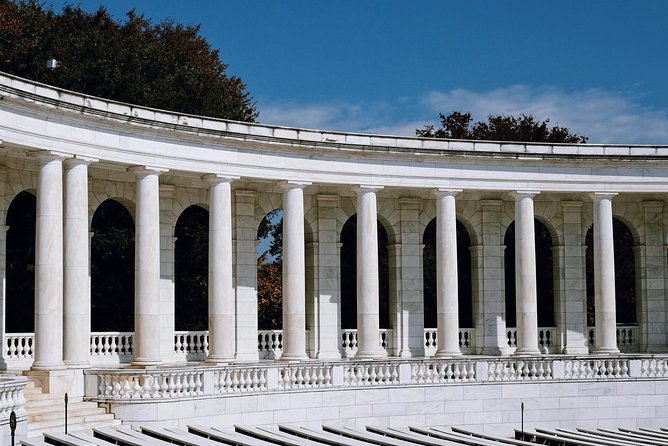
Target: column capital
(143,171)
(520,194)
(78,160)
(289,185)
(597,196)
(445,192)
(216,178)
(364,188)
(44,156)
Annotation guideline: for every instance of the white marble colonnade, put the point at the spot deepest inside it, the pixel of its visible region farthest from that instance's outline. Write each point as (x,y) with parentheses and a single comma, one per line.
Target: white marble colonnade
(222,314)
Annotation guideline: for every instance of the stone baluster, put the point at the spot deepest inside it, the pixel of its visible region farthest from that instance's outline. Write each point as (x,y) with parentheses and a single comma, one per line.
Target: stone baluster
(447,291)
(221,292)
(147,267)
(48,346)
(525,275)
(368,319)
(604,275)
(76,299)
(294,273)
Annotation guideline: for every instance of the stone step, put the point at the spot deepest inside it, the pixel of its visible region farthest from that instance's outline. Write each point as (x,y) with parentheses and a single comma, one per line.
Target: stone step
(83,427)
(48,401)
(71,421)
(71,413)
(82,405)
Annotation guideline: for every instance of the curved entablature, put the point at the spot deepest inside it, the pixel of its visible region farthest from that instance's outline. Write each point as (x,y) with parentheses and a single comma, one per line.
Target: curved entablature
(37,116)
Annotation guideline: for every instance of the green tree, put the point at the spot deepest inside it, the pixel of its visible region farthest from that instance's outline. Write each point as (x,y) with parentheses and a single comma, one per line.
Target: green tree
(523,128)
(165,65)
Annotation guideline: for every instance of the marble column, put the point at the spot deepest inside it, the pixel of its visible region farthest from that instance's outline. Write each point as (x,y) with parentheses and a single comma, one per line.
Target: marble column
(221,290)
(368,318)
(525,275)
(147,267)
(604,275)
(294,273)
(48,348)
(76,292)
(447,290)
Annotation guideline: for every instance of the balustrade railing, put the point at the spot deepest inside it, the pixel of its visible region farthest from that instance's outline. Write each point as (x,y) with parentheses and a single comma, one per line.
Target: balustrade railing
(131,384)
(111,343)
(547,337)
(443,371)
(177,382)
(305,376)
(19,345)
(349,341)
(627,340)
(194,345)
(12,397)
(466,341)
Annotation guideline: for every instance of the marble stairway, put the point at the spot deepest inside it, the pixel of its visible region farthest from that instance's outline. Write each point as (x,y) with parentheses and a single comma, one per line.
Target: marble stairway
(46,413)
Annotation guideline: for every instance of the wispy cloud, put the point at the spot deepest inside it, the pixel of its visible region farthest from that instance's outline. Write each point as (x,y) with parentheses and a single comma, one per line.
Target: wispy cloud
(604,116)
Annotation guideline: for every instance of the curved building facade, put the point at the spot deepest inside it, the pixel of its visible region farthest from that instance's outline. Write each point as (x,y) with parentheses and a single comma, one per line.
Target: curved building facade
(538,253)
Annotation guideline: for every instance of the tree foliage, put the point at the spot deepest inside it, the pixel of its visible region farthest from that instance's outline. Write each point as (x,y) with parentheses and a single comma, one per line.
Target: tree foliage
(165,65)
(523,128)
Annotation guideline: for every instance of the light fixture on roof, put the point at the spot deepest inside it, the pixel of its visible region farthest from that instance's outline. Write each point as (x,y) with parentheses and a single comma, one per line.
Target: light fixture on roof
(52,64)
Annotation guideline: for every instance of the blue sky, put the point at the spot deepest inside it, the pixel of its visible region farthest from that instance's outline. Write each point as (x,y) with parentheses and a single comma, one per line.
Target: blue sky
(598,66)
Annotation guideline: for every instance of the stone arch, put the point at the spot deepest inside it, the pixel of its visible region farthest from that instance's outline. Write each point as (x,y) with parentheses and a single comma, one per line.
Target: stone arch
(20,264)
(348,282)
(463,275)
(112,267)
(270,271)
(626,303)
(191,269)
(544,274)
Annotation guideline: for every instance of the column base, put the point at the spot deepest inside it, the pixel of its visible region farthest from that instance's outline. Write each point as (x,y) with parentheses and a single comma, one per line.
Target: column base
(293,358)
(58,382)
(219,360)
(604,351)
(527,352)
(370,355)
(45,367)
(575,351)
(447,354)
(145,363)
(77,364)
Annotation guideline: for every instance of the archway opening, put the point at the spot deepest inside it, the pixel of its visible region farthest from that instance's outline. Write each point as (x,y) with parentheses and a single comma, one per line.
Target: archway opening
(463,275)
(270,271)
(191,269)
(112,268)
(20,269)
(544,275)
(349,275)
(625,274)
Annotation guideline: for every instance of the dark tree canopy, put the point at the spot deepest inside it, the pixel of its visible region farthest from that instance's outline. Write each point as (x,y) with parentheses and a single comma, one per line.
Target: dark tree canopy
(165,65)
(270,272)
(523,128)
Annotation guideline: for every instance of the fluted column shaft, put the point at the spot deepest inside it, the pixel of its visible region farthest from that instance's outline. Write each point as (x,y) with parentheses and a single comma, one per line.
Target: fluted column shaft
(147,268)
(76,317)
(447,289)
(368,319)
(604,275)
(48,348)
(294,273)
(525,275)
(221,290)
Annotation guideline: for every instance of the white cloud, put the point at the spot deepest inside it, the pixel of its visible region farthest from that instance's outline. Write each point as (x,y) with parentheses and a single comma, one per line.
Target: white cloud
(604,116)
